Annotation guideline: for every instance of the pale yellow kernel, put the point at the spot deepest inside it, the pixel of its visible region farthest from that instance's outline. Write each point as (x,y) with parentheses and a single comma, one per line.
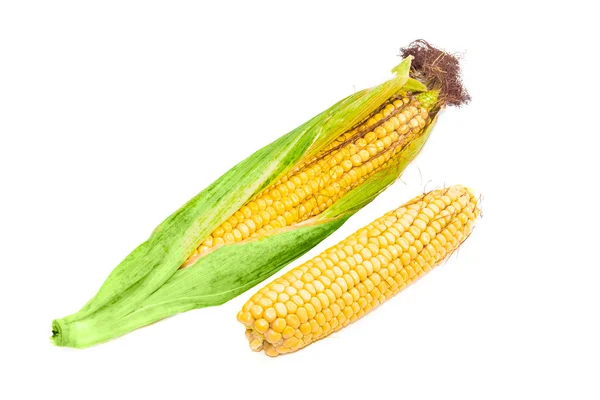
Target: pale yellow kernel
(409,237)
(257,220)
(404,244)
(256,345)
(425,238)
(291,342)
(348,299)
(447,234)
(356,160)
(337,289)
(357,258)
(405,258)
(328,314)
(441,239)
(349,281)
(261,325)
(377,263)
(278,325)
(265,302)
(376,279)
(364,155)
(208,241)
(319,287)
(416,232)
(278,287)
(272,337)
(291,307)
(314,270)
(320,319)
(305,328)
(316,304)
(256,311)
(245,318)
(426,256)
(405,221)
(348,312)
(293,320)
(376,293)
(270,314)
(302,314)
(434,208)
(452,229)
(326,281)
(270,350)
(420,223)
(271,294)
(395,232)
(304,294)
(412,250)
(345,266)
(342,283)
(330,295)
(362,302)
(323,299)
(362,271)
(447,200)
(297,299)
(280,309)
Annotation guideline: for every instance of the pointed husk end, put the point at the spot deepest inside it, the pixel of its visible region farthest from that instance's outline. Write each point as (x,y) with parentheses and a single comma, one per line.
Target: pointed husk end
(57,334)
(439,70)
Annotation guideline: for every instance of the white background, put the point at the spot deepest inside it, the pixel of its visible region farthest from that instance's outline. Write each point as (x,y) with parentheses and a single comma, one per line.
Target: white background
(114,113)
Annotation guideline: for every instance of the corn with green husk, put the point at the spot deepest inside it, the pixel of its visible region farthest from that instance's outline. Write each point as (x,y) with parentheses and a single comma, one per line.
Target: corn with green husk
(275,205)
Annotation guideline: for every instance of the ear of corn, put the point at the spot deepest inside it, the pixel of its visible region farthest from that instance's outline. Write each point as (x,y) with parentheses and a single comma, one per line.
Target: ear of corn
(219,276)
(348,280)
(263,213)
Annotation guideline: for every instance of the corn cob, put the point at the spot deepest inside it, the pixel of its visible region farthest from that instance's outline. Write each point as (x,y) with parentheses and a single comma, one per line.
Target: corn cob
(270,208)
(313,186)
(348,280)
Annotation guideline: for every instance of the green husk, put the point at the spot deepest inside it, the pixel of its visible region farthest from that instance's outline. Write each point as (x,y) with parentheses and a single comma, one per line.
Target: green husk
(148,285)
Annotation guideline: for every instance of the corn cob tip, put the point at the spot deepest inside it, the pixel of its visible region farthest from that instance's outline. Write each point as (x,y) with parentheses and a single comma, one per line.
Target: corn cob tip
(439,70)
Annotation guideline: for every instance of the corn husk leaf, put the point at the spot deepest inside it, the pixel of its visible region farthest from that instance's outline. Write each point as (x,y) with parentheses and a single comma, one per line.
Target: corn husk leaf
(413,85)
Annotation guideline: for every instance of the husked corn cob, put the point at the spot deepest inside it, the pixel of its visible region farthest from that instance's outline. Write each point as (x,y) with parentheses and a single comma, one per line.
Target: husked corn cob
(314,185)
(350,279)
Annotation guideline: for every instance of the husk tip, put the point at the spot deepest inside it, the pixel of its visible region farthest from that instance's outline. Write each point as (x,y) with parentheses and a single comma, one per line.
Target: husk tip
(57,334)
